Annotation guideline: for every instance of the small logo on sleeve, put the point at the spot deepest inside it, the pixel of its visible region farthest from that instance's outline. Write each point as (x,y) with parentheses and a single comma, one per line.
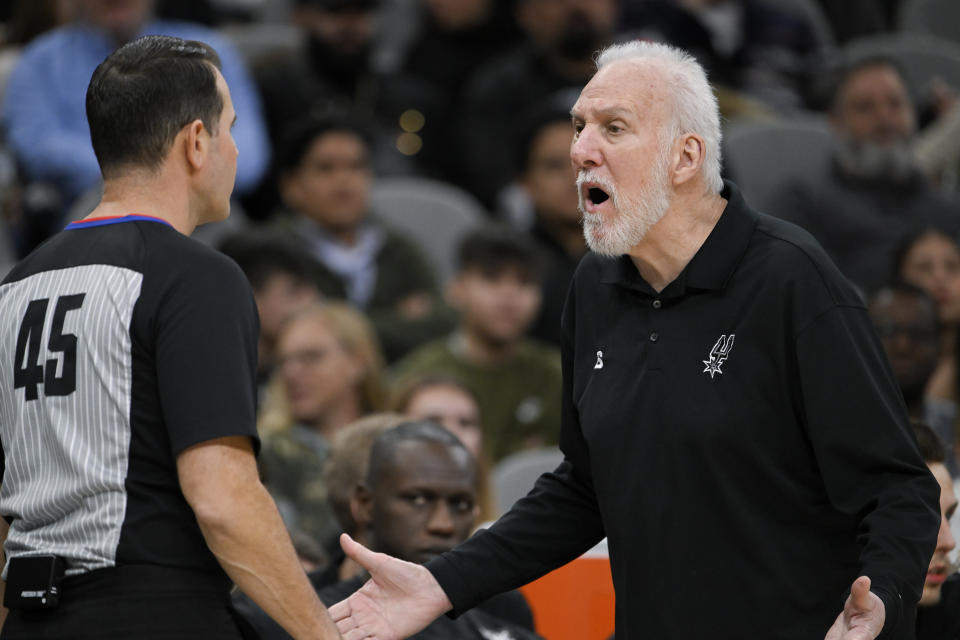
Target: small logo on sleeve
(599,364)
(718,355)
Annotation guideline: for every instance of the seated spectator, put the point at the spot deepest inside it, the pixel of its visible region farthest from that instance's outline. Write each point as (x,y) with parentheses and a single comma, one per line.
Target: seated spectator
(931,260)
(416,501)
(938,612)
(906,319)
(338,71)
(44,107)
(496,291)
(345,469)
(557,58)
(873,192)
(328,374)
(451,404)
(285,280)
(751,46)
(325,183)
(548,179)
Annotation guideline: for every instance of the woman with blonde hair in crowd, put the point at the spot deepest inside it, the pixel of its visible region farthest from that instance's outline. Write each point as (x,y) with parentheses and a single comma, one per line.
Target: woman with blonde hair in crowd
(450,402)
(329,373)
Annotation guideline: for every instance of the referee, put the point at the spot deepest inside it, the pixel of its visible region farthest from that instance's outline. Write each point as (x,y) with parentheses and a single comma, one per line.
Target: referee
(127,358)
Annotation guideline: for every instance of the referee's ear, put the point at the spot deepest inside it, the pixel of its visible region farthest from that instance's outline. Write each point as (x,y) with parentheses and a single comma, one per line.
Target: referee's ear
(195,141)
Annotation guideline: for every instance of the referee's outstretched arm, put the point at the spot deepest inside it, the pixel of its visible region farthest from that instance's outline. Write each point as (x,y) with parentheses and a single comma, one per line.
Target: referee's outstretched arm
(243,529)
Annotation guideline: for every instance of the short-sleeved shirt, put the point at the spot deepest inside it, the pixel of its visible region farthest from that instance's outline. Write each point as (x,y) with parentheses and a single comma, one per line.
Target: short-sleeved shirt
(122,343)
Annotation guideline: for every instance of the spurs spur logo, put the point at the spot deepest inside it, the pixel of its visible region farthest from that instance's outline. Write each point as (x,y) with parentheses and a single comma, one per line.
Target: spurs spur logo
(718,355)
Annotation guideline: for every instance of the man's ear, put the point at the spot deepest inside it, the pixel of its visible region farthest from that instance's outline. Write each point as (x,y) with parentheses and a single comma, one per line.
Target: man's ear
(688,160)
(361,506)
(196,141)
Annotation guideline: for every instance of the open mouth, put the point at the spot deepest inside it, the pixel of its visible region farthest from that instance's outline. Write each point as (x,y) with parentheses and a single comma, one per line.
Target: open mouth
(596,195)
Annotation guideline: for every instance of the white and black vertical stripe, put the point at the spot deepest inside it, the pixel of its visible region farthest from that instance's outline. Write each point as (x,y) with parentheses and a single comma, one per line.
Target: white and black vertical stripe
(67,456)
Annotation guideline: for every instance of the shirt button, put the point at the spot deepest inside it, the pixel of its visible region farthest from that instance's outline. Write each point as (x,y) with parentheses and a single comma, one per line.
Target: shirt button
(657,304)
(654,336)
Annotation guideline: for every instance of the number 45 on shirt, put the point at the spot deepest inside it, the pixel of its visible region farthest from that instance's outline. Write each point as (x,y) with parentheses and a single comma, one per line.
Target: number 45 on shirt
(28,370)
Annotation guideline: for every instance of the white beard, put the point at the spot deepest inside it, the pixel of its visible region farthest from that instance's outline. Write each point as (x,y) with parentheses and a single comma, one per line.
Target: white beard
(633,214)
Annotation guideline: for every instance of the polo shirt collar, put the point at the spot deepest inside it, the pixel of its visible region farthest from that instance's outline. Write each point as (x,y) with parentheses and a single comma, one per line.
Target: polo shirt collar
(712,265)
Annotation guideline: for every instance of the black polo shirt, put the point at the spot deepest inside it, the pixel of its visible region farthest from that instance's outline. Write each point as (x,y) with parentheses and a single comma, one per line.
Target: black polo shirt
(740,440)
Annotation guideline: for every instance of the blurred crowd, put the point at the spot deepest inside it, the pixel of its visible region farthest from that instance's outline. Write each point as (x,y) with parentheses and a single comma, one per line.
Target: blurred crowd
(406,211)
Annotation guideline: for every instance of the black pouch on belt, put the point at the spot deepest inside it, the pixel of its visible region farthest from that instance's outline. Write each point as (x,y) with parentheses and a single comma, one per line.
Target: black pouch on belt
(33,582)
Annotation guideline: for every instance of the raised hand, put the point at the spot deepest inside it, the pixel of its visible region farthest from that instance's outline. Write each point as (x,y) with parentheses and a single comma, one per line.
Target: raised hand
(863,614)
(399,599)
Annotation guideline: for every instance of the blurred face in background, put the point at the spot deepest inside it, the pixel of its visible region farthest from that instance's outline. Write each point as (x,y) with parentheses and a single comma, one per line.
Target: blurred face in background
(452,407)
(345,28)
(549,177)
(123,19)
(939,569)
(280,297)
(331,186)
(933,263)
(874,107)
(318,373)
(454,15)
(572,28)
(907,324)
(496,305)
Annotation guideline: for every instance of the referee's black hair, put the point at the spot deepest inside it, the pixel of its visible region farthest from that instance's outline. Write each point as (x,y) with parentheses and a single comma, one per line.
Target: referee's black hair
(428,431)
(143,94)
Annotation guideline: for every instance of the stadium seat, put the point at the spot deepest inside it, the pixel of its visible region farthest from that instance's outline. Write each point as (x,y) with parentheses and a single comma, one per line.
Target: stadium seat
(576,601)
(934,17)
(433,214)
(513,477)
(760,156)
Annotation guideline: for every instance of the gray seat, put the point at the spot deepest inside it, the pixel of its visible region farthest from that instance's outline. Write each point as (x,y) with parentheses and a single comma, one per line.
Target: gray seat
(934,17)
(761,156)
(922,57)
(434,215)
(514,476)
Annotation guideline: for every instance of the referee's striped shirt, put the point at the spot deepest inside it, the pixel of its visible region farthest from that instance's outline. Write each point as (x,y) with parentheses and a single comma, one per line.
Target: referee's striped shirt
(122,343)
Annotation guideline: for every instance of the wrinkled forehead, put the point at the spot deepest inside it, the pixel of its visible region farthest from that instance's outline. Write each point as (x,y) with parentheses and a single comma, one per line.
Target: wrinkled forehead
(636,86)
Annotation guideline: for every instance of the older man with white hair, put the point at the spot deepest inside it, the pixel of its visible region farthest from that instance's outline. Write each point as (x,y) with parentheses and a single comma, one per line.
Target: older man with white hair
(719,372)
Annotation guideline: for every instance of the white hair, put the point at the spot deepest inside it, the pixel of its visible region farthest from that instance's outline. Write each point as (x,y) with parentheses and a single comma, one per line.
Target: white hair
(694,103)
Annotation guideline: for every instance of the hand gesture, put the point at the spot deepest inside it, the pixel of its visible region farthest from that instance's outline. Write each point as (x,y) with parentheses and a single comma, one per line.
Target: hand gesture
(399,599)
(863,614)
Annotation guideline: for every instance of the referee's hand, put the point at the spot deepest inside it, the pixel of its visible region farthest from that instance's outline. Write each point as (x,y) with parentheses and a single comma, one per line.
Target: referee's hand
(863,614)
(399,599)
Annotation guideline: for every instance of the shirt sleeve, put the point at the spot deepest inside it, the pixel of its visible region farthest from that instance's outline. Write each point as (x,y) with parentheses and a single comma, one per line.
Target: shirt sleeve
(556,522)
(206,355)
(49,145)
(867,454)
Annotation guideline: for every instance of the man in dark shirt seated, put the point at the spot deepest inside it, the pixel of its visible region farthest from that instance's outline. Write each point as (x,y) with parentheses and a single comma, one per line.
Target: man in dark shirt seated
(417,501)
(873,191)
(938,613)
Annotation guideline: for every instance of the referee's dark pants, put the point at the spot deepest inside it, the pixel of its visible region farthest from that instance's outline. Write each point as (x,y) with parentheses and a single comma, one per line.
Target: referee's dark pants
(136,601)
